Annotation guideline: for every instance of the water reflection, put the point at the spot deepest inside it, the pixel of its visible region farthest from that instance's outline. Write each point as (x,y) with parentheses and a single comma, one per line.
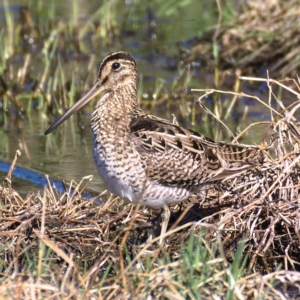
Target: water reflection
(65,154)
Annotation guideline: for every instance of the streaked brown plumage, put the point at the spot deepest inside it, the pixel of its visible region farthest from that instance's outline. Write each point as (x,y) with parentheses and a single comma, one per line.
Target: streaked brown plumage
(146,159)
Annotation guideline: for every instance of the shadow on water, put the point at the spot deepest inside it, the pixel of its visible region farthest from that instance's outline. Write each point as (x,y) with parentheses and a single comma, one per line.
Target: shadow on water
(41,180)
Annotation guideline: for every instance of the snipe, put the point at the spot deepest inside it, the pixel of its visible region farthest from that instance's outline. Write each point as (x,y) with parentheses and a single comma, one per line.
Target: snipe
(146,159)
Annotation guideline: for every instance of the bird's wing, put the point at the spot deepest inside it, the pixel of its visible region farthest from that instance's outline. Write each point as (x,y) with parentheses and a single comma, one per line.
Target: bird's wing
(177,156)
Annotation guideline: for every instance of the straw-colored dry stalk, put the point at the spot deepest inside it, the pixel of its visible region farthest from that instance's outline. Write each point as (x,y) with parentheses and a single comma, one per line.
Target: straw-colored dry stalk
(261,208)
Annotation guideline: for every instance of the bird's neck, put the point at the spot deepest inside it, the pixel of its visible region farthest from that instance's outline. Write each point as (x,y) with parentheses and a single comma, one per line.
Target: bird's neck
(115,110)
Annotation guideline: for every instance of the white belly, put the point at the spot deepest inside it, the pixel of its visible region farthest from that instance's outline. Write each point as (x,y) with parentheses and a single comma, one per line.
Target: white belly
(125,176)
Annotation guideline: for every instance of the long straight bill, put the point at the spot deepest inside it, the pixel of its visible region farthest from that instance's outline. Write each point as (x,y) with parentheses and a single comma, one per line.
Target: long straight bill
(95,90)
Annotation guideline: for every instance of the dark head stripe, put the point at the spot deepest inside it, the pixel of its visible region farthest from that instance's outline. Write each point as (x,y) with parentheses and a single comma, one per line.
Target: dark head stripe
(114,56)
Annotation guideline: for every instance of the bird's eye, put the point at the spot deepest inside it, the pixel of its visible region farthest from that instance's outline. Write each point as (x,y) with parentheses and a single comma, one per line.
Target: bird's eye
(115,66)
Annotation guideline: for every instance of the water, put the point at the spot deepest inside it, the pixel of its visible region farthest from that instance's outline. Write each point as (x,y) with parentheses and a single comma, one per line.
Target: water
(63,155)
(66,153)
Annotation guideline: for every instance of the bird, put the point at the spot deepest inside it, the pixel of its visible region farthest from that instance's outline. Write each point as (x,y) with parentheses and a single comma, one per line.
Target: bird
(146,159)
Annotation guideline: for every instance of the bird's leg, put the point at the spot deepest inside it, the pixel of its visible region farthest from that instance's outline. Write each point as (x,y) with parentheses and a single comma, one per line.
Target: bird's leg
(165,217)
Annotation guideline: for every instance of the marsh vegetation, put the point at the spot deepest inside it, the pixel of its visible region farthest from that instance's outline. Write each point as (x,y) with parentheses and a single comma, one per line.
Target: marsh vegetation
(240,241)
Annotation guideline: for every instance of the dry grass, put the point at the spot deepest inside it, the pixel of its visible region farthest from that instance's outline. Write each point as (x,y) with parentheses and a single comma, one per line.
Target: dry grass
(262,35)
(62,246)
(267,200)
